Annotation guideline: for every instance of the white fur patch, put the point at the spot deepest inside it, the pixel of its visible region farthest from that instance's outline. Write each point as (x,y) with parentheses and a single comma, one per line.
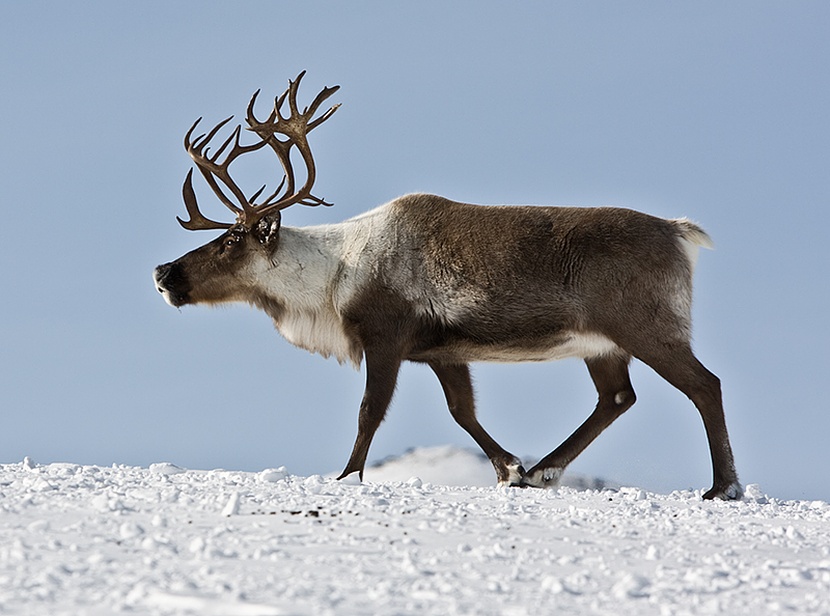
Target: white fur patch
(318,332)
(586,345)
(316,272)
(692,238)
(581,345)
(514,477)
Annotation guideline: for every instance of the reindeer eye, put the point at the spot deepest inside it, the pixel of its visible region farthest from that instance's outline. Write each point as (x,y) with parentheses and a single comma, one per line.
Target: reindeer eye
(230,241)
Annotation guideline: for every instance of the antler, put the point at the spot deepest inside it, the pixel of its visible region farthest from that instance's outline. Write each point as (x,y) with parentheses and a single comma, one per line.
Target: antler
(295,127)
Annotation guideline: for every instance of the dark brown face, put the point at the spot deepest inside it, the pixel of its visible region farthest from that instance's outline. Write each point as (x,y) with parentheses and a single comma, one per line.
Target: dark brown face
(221,270)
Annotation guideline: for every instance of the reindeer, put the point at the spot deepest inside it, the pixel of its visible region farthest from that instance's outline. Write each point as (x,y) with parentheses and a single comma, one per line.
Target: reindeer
(429,280)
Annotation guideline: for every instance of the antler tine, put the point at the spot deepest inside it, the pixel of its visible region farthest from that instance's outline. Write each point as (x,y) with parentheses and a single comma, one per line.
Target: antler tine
(272,198)
(324,117)
(234,136)
(197,221)
(293,86)
(312,109)
(198,144)
(261,128)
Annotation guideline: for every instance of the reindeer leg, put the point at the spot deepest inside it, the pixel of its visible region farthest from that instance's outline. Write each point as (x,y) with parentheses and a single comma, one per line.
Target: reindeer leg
(458,389)
(610,376)
(381,377)
(679,366)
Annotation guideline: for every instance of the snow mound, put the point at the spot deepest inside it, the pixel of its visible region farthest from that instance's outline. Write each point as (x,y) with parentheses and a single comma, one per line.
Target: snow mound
(448,465)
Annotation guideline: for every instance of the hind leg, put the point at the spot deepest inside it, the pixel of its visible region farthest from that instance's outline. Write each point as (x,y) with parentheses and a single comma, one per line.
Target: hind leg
(458,389)
(610,376)
(678,365)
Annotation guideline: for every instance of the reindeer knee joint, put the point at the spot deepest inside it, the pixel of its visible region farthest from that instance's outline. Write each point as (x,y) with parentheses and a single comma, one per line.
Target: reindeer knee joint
(625,398)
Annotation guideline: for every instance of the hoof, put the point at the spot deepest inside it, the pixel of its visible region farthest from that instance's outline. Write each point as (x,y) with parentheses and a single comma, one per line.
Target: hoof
(733,491)
(350,473)
(543,478)
(510,474)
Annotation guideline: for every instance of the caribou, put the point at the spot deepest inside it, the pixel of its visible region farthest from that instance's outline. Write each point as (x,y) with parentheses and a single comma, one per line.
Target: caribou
(429,280)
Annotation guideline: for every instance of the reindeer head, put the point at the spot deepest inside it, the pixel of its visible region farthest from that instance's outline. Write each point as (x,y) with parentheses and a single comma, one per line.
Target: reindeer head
(224,269)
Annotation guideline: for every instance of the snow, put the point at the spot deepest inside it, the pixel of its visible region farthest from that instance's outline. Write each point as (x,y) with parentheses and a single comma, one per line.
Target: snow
(166,540)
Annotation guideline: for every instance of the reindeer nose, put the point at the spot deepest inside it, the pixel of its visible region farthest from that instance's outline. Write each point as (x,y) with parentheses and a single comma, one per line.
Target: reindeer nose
(172,283)
(160,274)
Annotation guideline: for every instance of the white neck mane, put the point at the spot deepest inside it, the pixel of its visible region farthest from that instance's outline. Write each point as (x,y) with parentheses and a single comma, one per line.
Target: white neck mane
(313,275)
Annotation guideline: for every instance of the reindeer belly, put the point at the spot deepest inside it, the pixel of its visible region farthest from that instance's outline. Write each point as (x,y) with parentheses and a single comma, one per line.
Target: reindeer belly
(547,348)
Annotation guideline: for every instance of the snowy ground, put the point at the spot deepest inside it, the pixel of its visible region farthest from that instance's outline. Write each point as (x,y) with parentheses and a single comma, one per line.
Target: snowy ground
(90,540)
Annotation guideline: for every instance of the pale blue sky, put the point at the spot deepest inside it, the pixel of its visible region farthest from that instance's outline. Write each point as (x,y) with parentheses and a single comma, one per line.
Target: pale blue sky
(715,111)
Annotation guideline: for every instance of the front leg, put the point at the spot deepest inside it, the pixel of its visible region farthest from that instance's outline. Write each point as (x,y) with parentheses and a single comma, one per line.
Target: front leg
(381,376)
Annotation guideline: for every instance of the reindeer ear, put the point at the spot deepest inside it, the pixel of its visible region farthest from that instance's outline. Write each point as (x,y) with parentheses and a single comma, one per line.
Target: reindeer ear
(267,229)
